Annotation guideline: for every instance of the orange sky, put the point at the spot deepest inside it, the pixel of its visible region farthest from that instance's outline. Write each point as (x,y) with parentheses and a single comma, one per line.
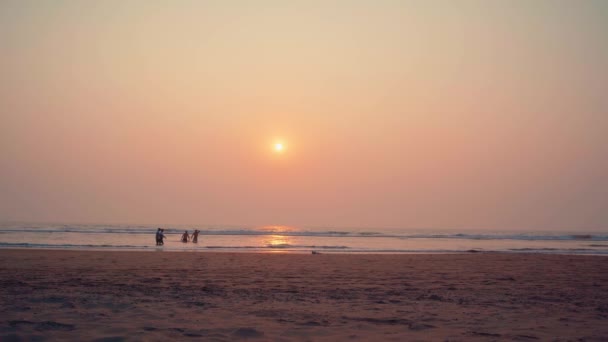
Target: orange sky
(412,114)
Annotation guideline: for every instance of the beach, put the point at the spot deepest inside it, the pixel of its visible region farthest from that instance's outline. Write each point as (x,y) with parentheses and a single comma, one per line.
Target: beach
(138,296)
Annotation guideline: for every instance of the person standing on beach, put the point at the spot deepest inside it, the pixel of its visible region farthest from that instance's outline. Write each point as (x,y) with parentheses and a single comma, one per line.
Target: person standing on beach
(162,237)
(195,236)
(158,237)
(185,237)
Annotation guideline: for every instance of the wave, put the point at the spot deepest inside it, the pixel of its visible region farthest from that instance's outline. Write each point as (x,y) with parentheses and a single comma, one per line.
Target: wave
(70,246)
(286,245)
(308,233)
(329,249)
(66,246)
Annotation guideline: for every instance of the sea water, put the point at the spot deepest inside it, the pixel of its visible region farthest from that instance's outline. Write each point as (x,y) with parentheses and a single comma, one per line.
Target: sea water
(289,239)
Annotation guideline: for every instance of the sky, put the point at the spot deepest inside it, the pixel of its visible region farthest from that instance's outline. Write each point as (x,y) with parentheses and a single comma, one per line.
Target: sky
(408,114)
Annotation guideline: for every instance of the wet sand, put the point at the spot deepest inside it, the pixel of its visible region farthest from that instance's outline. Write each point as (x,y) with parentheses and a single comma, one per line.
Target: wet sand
(116,296)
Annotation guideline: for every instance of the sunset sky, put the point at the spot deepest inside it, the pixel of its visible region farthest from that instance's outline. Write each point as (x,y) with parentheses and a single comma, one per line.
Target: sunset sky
(410,114)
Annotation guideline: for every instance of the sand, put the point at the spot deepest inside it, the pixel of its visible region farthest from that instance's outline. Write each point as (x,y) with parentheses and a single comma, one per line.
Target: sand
(116,296)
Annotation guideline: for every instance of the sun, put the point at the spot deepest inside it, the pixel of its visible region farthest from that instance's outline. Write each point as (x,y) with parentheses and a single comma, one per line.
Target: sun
(278,147)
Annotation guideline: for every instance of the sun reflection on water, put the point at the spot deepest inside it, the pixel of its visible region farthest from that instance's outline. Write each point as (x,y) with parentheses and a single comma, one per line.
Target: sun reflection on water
(277,243)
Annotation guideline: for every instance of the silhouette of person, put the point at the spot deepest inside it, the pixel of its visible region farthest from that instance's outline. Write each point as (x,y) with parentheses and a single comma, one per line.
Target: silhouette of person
(162,237)
(185,237)
(195,236)
(159,240)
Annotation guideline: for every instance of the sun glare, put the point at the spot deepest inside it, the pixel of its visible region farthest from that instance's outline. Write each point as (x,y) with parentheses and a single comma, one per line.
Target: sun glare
(278,147)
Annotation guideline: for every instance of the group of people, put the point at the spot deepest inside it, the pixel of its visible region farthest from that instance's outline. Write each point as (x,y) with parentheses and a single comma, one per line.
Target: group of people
(193,237)
(160,236)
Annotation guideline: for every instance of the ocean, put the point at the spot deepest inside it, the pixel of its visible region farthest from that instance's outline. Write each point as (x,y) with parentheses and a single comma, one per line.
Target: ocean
(286,239)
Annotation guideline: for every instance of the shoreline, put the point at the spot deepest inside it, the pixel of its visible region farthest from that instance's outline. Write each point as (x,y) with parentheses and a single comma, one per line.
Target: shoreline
(222,250)
(128,295)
